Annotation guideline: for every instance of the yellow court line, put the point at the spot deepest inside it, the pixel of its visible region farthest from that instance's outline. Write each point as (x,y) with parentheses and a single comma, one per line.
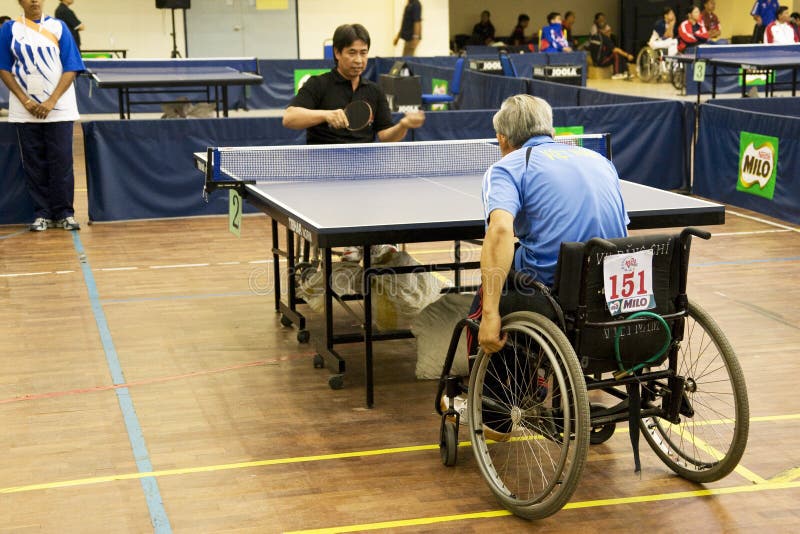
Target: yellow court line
(262,463)
(787,476)
(742,470)
(569,506)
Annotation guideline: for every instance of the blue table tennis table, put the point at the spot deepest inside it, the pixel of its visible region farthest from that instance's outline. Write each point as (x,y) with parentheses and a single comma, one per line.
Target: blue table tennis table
(362,195)
(157,77)
(749,60)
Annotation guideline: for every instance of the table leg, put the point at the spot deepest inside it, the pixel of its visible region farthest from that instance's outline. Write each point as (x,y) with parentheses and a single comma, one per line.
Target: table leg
(276,265)
(368,329)
(121,103)
(224,100)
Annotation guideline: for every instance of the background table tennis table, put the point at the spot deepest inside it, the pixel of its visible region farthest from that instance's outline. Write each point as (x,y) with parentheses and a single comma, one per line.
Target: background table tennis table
(173,76)
(344,212)
(748,59)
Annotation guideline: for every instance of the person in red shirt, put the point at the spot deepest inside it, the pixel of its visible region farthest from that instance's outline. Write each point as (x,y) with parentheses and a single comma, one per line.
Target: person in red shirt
(692,31)
(780,30)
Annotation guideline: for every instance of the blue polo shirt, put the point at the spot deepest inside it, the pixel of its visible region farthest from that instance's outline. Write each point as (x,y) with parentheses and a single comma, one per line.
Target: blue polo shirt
(566,193)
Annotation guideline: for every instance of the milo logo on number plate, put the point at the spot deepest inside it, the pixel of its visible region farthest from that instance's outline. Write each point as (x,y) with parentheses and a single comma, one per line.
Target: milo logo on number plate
(758,164)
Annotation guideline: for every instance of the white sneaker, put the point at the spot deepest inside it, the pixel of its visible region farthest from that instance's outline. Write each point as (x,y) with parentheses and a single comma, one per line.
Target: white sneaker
(619,76)
(353,254)
(39,225)
(68,223)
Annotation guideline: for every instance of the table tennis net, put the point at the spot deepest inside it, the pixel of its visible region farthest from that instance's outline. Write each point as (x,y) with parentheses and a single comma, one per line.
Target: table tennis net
(370,160)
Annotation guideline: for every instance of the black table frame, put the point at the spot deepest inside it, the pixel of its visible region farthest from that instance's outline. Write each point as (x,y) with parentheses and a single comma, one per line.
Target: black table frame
(220,90)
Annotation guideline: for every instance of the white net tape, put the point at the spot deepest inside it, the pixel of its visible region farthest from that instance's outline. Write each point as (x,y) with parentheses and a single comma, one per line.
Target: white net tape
(368,161)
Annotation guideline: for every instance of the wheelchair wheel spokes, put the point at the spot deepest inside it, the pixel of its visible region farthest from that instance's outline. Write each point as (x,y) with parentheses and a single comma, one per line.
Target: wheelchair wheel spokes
(517,423)
(647,64)
(709,440)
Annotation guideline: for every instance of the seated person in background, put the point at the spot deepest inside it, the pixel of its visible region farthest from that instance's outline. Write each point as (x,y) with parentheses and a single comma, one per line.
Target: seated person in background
(711,20)
(599,22)
(518,35)
(569,34)
(664,33)
(483,32)
(764,12)
(604,53)
(552,37)
(794,20)
(692,31)
(780,31)
(543,193)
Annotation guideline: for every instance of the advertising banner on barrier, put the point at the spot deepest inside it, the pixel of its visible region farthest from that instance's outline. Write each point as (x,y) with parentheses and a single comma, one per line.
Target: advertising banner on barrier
(758,164)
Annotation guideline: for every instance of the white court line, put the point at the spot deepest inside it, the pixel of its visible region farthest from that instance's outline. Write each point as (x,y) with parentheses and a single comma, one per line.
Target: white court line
(180,266)
(789,228)
(117,269)
(726,234)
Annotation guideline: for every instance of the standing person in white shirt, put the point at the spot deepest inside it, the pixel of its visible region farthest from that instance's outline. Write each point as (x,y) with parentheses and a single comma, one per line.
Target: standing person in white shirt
(780,31)
(38,63)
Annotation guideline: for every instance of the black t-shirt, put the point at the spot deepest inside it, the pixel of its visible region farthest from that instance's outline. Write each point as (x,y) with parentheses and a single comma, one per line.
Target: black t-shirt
(411,14)
(332,91)
(482,32)
(64,13)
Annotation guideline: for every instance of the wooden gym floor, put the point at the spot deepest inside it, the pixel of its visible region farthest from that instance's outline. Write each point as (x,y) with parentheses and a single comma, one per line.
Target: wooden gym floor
(218,421)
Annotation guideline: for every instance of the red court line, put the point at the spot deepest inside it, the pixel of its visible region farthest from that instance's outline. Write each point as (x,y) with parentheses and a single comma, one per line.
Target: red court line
(95,389)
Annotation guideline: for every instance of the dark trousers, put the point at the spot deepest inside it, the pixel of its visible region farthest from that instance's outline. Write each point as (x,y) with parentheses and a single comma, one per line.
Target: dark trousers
(46,150)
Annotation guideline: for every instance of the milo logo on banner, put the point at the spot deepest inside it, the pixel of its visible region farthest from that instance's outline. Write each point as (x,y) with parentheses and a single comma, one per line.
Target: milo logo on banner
(301,76)
(758,164)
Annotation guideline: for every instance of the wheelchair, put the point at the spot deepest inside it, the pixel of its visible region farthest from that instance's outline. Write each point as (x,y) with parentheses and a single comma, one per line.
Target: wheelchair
(652,65)
(670,370)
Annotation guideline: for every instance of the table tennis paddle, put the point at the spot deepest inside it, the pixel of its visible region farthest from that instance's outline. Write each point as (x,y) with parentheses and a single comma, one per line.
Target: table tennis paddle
(359,115)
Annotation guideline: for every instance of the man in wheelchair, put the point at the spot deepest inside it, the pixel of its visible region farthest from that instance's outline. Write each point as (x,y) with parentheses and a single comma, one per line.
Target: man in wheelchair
(541,192)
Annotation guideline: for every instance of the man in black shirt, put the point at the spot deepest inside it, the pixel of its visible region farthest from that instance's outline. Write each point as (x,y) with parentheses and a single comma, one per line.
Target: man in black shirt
(483,32)
(411,28)
(65,13)
(319,104)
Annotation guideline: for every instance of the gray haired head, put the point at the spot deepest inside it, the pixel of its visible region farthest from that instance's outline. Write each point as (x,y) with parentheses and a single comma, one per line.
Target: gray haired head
(522,117)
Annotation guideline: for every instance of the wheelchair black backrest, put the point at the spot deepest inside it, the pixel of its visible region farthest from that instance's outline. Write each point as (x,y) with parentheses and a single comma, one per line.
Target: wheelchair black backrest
(580,266)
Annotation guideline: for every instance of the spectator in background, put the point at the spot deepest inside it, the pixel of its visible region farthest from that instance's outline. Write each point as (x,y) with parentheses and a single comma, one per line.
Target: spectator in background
(552,38)
(518,35)
(664,34)
(794,20)
(567,25)
(65,13)
(483,32)
(411,27)
(3,20)
(711,20)
(692,31)
(780,31)
(43,107)
(599,22)
(764,12)
(604,53)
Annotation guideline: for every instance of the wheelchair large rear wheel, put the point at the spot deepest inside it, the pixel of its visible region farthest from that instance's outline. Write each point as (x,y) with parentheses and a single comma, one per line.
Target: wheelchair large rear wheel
(711,437)
(647,64)
(678,75)
(528,414)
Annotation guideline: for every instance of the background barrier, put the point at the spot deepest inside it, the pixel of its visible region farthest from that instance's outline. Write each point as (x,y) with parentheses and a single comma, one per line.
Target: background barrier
(723,138)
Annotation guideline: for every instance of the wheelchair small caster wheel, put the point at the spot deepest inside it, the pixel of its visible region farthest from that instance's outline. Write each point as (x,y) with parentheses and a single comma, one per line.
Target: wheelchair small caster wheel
(448,443)
(285,321)
(303,336)
(319,361)
(336,381)
(600,434)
